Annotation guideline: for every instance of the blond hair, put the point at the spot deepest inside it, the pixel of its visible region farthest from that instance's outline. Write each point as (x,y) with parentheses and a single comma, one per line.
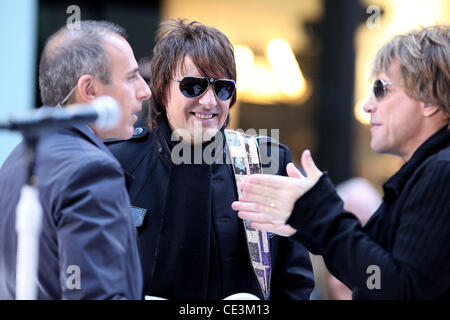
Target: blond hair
(424,57)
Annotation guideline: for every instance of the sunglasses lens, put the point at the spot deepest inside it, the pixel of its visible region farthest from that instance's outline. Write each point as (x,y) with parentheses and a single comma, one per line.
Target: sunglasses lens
(193,87)
(379,89)
(224,89)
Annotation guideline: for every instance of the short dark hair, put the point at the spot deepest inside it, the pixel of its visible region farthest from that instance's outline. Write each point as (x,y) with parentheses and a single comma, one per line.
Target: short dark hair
(210,50)
(72,52)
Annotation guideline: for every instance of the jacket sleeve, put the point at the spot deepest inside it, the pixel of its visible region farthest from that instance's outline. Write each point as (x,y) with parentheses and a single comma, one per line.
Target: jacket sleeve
(95,236)
(292,276)
(418,265)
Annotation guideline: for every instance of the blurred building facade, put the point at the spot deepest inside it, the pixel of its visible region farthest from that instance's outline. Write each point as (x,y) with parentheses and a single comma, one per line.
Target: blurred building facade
(303,65)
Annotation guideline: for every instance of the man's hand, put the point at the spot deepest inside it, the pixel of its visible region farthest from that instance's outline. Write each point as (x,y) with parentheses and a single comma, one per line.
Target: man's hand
(267,200)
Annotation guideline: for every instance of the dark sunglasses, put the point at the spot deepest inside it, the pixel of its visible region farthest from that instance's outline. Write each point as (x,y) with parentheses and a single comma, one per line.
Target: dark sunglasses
(379,88)
(193,87)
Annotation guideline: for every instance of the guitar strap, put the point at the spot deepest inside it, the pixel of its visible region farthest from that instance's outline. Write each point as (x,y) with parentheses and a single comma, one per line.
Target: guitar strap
(244,152)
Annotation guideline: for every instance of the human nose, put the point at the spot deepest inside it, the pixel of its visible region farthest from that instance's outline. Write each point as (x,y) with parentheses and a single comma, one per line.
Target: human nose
(143,92)
(370,104)
(208,99)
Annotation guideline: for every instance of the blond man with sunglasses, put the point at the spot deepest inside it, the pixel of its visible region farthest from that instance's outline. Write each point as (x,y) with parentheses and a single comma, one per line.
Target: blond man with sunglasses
(402,252)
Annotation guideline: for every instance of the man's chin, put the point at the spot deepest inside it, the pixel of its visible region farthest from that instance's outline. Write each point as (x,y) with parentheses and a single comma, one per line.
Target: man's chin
(209,134)
(200,139)
(126,134)
(194,135)
(380,149)
(205,135)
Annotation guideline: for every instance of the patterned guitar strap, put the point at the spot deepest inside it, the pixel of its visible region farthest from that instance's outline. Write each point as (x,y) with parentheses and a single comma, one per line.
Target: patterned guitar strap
(244,152)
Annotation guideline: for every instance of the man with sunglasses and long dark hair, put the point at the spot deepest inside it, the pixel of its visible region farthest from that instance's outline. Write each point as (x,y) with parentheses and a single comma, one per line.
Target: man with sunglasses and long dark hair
(403,251)
(192,244)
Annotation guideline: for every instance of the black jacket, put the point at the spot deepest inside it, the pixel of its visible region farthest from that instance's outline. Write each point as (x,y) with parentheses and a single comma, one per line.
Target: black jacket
(196,209)
(406,241)
(87,223)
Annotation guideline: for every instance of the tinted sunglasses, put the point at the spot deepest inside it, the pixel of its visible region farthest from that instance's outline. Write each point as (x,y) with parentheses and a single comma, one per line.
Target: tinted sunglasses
(193,87)
(379,88)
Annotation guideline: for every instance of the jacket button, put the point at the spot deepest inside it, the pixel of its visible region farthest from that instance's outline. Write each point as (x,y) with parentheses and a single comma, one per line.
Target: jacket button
(138,131)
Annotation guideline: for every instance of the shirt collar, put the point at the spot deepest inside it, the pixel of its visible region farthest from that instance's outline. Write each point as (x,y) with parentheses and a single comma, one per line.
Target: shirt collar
(436,142)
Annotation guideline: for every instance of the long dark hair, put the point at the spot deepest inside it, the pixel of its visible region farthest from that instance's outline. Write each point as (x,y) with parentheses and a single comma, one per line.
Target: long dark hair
(210,50)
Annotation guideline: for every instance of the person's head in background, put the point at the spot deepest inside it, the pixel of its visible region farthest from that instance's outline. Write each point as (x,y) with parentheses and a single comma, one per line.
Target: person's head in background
(193,79)
(411,93)
(81,64)
(362,199)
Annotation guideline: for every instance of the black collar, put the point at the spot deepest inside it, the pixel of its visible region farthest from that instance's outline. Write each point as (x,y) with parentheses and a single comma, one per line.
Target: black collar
(436,142)
(84,130)
(88,134)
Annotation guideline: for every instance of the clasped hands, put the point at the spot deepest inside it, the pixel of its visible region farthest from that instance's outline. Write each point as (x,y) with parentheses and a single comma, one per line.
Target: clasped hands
(267,200)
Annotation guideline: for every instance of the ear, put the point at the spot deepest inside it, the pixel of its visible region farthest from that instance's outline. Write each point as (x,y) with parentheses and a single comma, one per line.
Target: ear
(88,88)
(429,109)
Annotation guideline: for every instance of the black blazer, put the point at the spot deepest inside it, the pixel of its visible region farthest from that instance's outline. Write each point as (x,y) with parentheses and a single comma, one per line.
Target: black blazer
(87,221)
(405,244)
(147,159)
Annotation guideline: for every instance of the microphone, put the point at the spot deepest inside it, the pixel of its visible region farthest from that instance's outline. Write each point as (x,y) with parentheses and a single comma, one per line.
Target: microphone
(104,112)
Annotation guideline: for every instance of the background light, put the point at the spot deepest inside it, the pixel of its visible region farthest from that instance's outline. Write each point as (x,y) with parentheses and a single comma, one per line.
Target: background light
(270,78)
(245,60)
(286,69)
